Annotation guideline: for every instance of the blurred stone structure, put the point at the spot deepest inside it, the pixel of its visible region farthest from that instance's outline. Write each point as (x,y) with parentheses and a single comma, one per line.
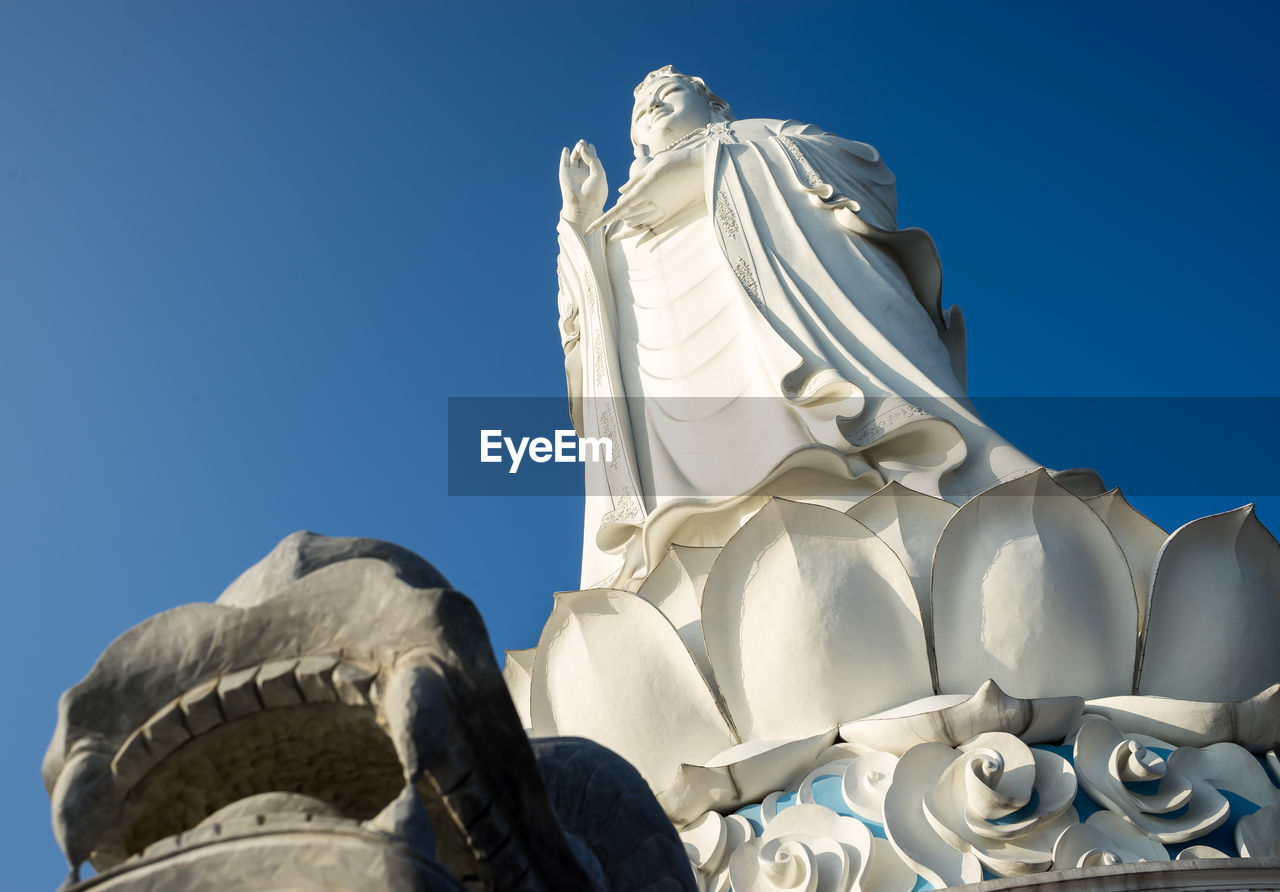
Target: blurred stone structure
(335,720)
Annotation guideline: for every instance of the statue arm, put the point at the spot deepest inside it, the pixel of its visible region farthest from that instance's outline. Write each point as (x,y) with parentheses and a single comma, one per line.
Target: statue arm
(597,404)
(579,269)
(657,191)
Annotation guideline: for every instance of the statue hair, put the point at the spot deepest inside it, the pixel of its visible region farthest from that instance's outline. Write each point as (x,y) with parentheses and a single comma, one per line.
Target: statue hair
(719,108)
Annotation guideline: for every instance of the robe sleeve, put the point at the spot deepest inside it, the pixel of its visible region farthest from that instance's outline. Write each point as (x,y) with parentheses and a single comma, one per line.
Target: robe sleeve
(572,275)
(851,179)
(597,398)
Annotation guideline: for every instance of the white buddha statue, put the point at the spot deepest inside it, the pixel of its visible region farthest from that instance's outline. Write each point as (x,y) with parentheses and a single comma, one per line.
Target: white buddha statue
(748,321)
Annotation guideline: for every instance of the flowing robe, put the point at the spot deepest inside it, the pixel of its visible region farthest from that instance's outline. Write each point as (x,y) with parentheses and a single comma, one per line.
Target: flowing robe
(780,338)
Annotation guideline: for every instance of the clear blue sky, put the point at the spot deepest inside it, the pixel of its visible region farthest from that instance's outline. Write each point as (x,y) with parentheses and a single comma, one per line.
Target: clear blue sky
(247,250)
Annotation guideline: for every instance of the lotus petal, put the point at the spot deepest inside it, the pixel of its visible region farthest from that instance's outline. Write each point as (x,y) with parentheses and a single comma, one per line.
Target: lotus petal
(770,806)
(954,718)
(711,841)
(910,523)
(675,588)
(1139,539)
(1254,723)
(705,840)
(830,763)
(1184,805)
(741,774)
(696,790)
(1225,766)
(612,668)
(810,620)
(812,848)
(518,674)
(1215,608)
(865,784)
(1258,835)
(809,864)
(832,760)
(1103,840)
(1005,802)
(759,767)
(911,833)
(1030,589)
(864,781)
(1199,853)
(887,872)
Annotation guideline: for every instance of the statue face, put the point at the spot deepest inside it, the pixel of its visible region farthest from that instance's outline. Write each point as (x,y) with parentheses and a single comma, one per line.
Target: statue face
(669,109)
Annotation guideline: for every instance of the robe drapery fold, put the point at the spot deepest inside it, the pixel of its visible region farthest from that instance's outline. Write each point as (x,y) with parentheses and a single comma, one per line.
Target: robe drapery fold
(780,338)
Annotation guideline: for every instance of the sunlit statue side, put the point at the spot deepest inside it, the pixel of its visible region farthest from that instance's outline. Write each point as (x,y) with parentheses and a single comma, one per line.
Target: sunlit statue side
(748,321)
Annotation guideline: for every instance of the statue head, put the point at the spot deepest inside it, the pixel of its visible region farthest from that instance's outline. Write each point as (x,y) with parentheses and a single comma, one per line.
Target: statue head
(670,105)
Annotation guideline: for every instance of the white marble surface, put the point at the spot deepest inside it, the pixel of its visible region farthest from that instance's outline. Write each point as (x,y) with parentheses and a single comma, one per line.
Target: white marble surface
(809,357)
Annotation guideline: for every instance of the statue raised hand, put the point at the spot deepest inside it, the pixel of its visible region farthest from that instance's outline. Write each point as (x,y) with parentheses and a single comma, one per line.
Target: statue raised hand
(583,187)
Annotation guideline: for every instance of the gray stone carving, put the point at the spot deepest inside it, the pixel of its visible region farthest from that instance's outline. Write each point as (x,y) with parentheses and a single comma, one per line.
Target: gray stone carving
(335,720)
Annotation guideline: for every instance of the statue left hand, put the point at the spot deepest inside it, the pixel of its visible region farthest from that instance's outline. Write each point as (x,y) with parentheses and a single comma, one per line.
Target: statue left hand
(669,183)
(583,188)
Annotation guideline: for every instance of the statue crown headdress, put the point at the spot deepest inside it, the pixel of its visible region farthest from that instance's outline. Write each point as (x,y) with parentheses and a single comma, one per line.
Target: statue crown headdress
(698,83)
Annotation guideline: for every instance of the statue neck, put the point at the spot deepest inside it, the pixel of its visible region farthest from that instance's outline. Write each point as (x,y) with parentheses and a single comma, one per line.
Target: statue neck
(684,140)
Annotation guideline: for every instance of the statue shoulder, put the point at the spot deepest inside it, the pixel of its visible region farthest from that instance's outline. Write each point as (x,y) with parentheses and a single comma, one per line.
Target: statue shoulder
(757,129)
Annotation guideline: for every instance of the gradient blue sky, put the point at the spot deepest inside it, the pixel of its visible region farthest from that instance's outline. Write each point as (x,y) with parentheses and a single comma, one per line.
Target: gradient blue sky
(248,249)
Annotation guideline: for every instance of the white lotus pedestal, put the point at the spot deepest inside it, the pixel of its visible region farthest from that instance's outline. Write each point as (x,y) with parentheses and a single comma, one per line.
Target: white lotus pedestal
(1030,690)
